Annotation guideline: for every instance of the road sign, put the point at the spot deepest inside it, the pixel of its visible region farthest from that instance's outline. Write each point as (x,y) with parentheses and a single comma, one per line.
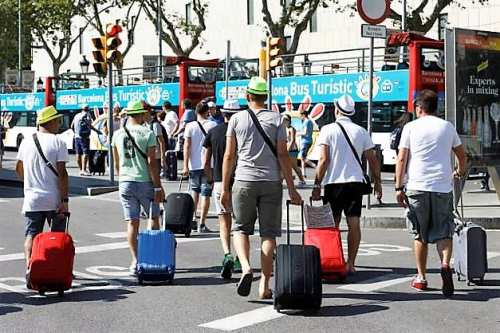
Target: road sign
(374,31)
(374,11)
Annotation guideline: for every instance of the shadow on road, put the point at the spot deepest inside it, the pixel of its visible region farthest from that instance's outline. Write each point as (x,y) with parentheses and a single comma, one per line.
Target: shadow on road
(9,309)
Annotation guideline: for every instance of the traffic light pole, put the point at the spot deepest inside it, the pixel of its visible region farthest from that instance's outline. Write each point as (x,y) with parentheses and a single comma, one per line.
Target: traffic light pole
(270,88)
(370,108)
(110,124)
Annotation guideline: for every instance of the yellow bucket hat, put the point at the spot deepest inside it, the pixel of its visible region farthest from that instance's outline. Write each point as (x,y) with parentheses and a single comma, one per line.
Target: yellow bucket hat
(47,114)
(135,107)
(257,86)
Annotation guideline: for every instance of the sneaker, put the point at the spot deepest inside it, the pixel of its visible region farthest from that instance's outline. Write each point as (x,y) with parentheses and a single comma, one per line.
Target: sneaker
(301,185)
(419,284)
(227,266)
(133,269)
(203,229)
(237,265)
(194,226)
(447,281)
(84,173)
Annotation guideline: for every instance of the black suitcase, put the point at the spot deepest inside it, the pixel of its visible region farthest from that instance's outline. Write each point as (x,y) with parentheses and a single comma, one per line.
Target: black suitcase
(172,165)
(469,251)
(97,161)
(297,273)
(179,210)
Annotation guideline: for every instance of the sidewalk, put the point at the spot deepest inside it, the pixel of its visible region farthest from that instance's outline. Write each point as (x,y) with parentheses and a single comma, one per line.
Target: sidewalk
(480,206)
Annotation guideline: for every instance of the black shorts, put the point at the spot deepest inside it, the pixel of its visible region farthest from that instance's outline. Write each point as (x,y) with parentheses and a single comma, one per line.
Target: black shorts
(346,197)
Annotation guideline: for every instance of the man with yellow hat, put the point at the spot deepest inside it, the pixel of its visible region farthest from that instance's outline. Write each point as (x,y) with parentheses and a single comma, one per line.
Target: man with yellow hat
(139,181)
(41,164)
(258,185)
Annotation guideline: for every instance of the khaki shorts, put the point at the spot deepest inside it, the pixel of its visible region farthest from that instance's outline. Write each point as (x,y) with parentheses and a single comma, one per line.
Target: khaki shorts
(217,191)
(431,215)
(258,198)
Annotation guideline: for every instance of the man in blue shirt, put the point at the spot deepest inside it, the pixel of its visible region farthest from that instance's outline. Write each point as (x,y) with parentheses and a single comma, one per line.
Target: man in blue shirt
(306,140)
(214,115)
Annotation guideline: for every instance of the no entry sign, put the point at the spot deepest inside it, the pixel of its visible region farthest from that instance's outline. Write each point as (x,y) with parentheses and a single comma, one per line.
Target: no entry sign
(374,11)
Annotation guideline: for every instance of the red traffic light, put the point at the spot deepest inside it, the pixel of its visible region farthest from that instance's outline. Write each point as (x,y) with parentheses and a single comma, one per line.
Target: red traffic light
(113,30)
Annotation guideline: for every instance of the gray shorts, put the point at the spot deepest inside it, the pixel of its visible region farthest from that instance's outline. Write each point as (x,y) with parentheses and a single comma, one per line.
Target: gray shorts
(217,192)
(430,216)
(258,198)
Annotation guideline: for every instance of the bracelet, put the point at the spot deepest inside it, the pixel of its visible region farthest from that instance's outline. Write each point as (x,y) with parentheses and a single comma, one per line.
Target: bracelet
(399,188)
(316,186)
(158,189)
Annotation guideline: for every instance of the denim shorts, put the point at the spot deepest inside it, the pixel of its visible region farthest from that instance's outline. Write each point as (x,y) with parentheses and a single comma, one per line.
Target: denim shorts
(82,146)
(199,183)
(36,220)
(304,149)
(133,195)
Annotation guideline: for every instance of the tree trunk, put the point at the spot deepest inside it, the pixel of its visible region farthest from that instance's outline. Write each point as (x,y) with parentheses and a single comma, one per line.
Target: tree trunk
(56,67)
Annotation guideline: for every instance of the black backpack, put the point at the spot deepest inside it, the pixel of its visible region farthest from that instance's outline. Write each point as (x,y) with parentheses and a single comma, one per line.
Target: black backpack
(84,130)
(395,137)
(163,131)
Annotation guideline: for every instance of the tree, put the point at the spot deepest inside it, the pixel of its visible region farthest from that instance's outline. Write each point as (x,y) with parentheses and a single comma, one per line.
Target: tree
(174,26)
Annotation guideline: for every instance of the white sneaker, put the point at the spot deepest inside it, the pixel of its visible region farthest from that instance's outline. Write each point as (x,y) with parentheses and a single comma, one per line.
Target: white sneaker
(84,173)
(301,185)
(203,229)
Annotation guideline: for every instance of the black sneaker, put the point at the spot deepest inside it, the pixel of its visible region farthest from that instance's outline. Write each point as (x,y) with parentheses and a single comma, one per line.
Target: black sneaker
(194,226)
(447,281)
(28,284)
(227,266)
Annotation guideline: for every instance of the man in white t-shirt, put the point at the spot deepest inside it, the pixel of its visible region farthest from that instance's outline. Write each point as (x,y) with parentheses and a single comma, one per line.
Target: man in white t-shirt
(45,184)
(170,122)
(425,152)
(194,152)
(341,174)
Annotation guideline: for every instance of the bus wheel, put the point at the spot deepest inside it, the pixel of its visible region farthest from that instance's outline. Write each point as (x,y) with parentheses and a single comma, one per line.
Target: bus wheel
(20,139)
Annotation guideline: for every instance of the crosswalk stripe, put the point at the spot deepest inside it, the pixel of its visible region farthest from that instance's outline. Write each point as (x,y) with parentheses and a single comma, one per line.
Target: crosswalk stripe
(377,283)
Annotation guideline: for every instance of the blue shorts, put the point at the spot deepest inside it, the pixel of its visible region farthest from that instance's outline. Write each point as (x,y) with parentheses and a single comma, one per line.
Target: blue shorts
(82,146)
(199,183)
(36,220)
(133,195)
(293,153)
(304,149)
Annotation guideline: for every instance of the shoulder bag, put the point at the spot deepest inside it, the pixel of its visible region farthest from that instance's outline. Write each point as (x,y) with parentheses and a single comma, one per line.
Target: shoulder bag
(202,129)
(261,131)
(367,184)
(42,155)
(143,154)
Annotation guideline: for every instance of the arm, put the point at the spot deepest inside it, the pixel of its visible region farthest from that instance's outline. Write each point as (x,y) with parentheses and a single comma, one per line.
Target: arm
(400,174)
(20,169)
(375,169)
(176,128)
(63,186)
(116,159)
(155,177)
(187,152)
(324,160)
(163,150)
(286,169)
(207,165)
(93,128)
(227,170)
(461,160)
(180,128)
(292,141)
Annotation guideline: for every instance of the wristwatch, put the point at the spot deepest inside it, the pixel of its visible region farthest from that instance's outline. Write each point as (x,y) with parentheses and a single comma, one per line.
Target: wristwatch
(210,182)
(399,188)
(64,200)
(316,186)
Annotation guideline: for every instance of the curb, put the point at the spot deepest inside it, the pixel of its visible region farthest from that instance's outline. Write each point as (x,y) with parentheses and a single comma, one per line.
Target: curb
(75,190)
(91,191)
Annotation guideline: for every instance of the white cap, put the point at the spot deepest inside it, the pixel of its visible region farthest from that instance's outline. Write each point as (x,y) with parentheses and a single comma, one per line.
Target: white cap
(211,104)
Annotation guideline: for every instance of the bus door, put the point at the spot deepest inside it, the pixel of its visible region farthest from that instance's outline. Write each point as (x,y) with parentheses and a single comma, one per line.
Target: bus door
(197,80)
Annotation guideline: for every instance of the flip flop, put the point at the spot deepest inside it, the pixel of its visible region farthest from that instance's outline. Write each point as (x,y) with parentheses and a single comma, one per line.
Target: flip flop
(245,284)
(267,295)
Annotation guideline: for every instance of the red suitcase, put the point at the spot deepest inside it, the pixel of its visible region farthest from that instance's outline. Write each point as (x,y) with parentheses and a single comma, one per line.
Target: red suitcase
(51,264)
(329,243)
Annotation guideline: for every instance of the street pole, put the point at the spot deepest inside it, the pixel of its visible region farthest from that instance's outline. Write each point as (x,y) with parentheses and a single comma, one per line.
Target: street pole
(158,24)
(20,48)
(110,124)
(228,59)
(402,49)
(370,107)
(270,92)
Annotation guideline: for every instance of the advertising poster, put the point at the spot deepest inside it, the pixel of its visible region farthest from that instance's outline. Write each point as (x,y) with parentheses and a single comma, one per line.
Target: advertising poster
(477,69)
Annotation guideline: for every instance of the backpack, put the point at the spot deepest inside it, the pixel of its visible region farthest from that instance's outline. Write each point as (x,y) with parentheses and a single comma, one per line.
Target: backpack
(163,131)
(84,129)
(395,137)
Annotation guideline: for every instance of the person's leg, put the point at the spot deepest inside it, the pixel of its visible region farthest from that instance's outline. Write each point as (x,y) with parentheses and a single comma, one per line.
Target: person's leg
(85,162)
(225,222)
(295,167)
(132,232)
(353,240)
(85,156)
(205,205)
(444,248)
(421,249)
(34,225)
(1,158)
(131,204)
(195,184)
(78,153)
(266,263)
(145,194)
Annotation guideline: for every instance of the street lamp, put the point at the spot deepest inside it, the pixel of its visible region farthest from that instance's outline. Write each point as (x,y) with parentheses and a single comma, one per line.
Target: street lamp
(39,85)
(84,64)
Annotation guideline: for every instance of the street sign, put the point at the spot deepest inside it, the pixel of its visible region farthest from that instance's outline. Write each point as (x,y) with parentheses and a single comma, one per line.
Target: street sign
(374,11)
(373,31)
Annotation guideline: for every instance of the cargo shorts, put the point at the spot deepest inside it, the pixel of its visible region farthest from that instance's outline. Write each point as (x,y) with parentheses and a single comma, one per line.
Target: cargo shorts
(430,215)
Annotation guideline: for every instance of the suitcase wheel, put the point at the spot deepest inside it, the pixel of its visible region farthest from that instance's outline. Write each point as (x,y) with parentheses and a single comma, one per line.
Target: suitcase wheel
(278,309)
(140,281)
(60,293)
(41,292)
(458,277)
(187,234)
(170,282)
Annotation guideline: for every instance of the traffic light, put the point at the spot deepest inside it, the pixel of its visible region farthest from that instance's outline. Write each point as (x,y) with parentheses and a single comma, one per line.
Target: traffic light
(263,64)
(99,54)
(273,51)
(112,43)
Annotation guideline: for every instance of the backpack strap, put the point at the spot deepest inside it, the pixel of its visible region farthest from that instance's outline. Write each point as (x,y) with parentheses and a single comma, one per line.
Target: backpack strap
(202,129)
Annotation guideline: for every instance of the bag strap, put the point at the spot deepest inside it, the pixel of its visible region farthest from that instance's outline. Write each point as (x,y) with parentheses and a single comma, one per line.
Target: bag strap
(45,160)
(261,130)
(351,145)
(143,154)
(202,129)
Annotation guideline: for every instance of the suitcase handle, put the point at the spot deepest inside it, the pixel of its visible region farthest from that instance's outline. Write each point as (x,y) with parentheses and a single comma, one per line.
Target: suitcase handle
(164,217)
(322,198)
(66,215)
(288,203)
(180,184)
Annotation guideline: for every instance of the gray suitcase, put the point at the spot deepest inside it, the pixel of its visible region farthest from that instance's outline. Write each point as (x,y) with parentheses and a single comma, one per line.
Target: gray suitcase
(469,251)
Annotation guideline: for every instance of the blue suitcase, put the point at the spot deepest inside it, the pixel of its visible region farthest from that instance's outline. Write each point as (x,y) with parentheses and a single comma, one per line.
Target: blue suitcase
(156,255)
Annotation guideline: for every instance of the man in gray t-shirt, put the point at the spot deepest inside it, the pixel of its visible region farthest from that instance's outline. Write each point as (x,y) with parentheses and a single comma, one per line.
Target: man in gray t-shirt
(258,184)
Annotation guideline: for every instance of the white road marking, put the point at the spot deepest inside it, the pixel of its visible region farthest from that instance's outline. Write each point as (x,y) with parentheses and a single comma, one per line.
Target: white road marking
(377,283)
(120,234)
(244,319)
(99,198)
(109,270)
(4,200)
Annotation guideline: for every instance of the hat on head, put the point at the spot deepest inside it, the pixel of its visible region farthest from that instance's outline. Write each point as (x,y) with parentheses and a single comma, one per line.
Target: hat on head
(46,114)
(85,107)
(211,104)
(345,104)
(135,107)
(257,86)
(231,106)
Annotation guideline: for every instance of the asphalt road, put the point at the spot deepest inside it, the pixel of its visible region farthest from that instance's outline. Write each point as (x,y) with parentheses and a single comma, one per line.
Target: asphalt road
(105,298)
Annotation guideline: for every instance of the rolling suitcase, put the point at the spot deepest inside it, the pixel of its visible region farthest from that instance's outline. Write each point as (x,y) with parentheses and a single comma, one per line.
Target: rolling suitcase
(179,210)
(297,273)
(172,165)
(97,162)
(469,251)
(51,263)
(156,255)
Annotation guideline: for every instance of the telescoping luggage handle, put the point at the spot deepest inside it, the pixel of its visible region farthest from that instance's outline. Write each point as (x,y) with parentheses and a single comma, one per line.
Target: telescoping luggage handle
(66,216)
(288,203)
(180,184)
(164,217)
